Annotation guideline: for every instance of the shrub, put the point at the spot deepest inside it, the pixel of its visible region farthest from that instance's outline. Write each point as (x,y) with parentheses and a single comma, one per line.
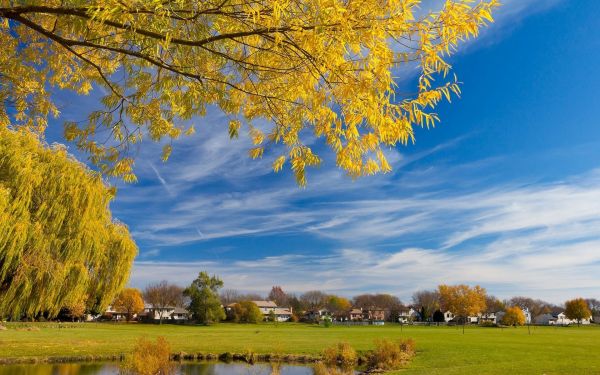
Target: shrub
(275,368)
(488,324)
(390,355)
(322,369)
(249,356)
(340,354)
(149,358)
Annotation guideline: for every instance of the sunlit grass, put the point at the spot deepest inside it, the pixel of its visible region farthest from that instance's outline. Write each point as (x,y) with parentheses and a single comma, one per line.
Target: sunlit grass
(440,350)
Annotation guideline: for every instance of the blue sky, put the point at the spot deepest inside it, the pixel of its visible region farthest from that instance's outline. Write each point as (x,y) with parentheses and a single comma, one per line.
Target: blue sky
(504,193)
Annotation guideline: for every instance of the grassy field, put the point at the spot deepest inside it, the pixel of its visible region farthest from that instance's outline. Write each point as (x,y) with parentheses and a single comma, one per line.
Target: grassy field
(441,350)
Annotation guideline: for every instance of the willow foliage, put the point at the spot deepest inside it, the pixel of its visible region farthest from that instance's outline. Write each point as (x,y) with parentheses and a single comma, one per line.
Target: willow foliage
(327,66)
(58,243)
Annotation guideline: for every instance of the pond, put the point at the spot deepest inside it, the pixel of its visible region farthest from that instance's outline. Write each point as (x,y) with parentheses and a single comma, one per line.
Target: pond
(181,369)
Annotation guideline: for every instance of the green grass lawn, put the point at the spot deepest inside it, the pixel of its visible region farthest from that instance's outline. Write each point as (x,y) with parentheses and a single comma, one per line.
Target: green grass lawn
(441,350)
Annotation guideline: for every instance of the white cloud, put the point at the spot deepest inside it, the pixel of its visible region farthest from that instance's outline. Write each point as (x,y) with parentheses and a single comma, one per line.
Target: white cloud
(540,240)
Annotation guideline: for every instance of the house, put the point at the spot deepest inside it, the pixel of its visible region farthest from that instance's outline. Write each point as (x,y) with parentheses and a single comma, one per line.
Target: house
(283,314)
(561,319)
(448,316)
(375,314)
(113,314)
(315,315)
(545,319)
(407,316)
(268,307)
(265,307)
(355,314)
(489,318)
(169,313)
(527,315)
(558,319)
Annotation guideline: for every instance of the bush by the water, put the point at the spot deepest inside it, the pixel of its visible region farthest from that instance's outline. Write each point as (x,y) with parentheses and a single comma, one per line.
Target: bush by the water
(149,358)
(340,354)
(390,355)
(323,369)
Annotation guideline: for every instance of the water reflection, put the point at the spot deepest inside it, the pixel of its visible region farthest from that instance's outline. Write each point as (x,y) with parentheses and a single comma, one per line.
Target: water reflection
(183,369)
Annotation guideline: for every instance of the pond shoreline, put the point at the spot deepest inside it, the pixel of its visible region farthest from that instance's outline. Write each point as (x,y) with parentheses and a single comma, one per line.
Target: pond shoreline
(226,357)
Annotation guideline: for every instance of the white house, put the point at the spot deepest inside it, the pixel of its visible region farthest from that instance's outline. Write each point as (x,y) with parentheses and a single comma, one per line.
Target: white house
(490,317)
(448,316)
(266,307)
(407,316)
(315,315)
(168,313)
(558,319)
(561,319)
(527,315)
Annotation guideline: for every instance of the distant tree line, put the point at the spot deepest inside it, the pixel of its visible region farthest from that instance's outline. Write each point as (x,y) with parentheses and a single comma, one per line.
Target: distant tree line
(206,300)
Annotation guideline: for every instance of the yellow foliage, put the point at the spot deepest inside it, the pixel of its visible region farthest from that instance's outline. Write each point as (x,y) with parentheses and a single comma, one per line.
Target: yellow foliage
(341,354)
(329,66)
(130,301)
(149,358)
(513,316)
(462,300)
(59,246)
(390,355)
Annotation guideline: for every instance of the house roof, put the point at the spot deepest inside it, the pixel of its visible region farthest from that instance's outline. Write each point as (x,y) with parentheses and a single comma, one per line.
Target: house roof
(180,310)
(269,304)
(282,311)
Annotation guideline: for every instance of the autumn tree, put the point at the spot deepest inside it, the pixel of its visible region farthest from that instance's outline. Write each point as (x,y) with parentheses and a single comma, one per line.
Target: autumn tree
(513,316)
(313,300)
(337,305)
(326,67)
(204,298)
(130,301)
(428,300)
(493,304)
(76,309)
(593,305)
(58,240)
(535,306)
(244,312)
(577,309)
(278,295)
(462,300)
(162,295)
(229,296)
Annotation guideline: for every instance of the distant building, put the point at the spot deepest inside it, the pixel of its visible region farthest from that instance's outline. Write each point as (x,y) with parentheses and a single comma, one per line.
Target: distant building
(559,319)
(448,316)
(169,314)
(375,314)
(282,314)
(407,316)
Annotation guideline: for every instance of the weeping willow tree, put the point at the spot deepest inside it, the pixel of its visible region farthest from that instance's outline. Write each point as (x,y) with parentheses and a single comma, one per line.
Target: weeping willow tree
(309,68)
(58,243)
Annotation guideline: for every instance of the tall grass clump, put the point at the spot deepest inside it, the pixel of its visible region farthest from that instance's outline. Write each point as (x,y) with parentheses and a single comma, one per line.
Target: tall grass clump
(391,355)
(149,358)
(340,354)
(322,369)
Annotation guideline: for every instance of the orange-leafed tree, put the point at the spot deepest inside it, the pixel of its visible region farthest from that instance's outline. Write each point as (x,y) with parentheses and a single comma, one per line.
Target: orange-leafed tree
(577,309)
(513,316)
(462,300)
(130,301)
